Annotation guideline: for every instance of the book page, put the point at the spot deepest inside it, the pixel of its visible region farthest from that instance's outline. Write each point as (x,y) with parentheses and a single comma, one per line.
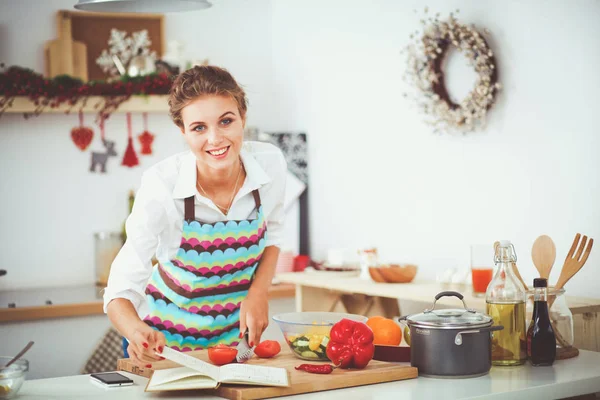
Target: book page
(191,362)
(254,375)
(179,378)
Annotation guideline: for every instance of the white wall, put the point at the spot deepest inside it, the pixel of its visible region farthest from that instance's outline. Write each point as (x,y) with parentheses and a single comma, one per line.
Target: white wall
(380,177)
(51,205)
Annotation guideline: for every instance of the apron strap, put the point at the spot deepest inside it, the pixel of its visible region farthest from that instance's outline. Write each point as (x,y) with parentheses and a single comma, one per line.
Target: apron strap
(256,198)
(190,214)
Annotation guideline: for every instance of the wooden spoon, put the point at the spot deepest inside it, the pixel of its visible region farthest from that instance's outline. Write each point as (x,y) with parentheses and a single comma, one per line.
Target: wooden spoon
(19,355)
(574,261)
(543,254)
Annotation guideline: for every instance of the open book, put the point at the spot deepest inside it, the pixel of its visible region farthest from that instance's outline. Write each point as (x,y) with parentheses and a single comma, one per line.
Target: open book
(198,374)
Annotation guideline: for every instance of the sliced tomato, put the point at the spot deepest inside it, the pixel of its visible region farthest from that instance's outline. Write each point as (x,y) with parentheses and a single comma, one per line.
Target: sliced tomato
(267,349)
(222,354)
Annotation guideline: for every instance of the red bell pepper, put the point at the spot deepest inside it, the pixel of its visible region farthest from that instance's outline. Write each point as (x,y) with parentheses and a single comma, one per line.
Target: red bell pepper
(350,344)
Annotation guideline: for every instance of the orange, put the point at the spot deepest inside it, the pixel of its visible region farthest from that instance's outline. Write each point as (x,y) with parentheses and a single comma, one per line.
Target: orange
(385,331)
(372,322)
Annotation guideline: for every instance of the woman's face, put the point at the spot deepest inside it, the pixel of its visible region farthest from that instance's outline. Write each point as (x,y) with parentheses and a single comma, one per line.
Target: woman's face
(214,130)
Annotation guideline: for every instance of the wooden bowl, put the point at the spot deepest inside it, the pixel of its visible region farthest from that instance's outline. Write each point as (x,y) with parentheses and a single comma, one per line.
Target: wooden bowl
(394,273)
(376,275)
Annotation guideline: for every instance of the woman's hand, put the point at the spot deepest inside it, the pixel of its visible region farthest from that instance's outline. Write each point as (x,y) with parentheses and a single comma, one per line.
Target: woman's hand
(254,315)
(143,343)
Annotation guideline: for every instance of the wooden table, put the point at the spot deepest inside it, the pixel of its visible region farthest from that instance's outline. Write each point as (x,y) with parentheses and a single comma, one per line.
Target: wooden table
(319,292)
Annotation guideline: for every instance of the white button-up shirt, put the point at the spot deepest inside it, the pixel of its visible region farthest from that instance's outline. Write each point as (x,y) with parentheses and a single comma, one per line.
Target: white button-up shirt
(155,224)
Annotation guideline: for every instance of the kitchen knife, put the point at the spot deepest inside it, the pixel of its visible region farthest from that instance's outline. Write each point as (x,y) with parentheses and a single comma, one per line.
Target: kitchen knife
(245,352)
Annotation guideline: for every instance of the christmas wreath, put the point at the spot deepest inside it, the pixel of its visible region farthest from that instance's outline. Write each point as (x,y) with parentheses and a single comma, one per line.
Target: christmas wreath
(64,89)
(425,73)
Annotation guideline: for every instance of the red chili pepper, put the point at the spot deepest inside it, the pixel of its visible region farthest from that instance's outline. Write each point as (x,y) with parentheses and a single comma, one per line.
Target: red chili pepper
(316,369)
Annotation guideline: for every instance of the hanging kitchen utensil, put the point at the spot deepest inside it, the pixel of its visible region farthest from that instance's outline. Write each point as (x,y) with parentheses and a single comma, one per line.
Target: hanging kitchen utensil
(130,159)
(100,158)
(543,254)
(82,135)
(451,342)
(146,138)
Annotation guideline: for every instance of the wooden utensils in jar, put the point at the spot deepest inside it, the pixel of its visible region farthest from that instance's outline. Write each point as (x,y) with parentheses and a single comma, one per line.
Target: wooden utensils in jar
(575,260)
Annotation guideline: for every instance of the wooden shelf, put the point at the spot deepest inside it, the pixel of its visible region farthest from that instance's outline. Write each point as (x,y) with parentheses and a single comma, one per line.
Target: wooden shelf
(77,301)
(136,104)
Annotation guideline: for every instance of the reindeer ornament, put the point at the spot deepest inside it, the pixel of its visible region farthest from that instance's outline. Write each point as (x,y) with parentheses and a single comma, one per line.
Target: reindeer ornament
(102,158)
(99,158)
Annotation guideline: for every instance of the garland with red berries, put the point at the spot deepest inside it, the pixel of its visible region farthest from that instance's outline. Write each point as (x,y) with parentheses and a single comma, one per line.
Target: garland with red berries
(17,81)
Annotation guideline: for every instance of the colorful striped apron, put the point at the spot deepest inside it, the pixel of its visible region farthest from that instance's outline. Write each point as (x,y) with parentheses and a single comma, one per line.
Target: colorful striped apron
(195,298)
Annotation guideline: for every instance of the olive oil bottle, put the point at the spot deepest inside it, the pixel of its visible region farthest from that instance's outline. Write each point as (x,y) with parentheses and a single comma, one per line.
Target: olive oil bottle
(505,303)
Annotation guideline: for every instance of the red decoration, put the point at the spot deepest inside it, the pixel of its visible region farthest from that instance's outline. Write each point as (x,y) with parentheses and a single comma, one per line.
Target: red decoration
(146,138)
(82,135)
(130,159)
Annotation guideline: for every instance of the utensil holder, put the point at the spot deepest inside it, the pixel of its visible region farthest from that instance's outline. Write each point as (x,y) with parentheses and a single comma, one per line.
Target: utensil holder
(561,317)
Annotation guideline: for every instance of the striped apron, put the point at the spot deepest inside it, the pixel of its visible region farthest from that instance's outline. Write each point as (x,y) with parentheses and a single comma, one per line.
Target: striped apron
(195,298)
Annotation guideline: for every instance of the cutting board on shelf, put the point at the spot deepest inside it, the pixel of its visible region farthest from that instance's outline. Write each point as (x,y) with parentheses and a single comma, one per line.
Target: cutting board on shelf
(65,55)
(300,381)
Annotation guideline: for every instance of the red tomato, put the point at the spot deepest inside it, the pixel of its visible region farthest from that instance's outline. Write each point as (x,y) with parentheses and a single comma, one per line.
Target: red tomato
(222,354)
(267,349)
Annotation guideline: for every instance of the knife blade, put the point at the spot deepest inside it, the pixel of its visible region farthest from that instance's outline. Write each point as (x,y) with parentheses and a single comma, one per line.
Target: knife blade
(245,352)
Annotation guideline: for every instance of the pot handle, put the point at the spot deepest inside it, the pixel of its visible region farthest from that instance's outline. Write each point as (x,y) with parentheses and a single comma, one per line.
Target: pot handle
(458,337)
(449,294)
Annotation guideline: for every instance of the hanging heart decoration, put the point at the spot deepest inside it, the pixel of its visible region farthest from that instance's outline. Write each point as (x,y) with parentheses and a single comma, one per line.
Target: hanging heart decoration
(82,135)
(146,138)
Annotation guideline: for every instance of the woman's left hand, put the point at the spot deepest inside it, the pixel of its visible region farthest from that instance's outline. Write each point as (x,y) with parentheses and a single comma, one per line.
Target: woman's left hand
(254,316)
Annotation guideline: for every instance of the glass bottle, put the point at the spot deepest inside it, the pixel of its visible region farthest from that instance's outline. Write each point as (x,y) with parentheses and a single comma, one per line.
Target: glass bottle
(541,342)
(505,303)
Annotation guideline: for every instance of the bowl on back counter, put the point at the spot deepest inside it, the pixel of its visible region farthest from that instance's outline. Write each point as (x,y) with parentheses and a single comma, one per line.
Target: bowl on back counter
(393,273)
(307,333)
(325,269)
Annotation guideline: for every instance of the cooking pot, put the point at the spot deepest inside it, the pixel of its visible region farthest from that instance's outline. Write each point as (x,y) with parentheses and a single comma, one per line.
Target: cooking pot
(451,343)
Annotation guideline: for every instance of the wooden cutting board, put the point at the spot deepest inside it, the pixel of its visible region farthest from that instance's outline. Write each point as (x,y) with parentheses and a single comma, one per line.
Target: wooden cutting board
(300,381)
(65,56)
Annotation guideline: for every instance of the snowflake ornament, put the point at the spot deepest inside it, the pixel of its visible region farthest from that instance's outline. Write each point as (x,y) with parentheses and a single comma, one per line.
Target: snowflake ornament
(124,48)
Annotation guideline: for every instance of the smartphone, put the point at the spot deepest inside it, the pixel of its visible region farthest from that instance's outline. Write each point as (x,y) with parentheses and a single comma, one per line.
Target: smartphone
(111,379)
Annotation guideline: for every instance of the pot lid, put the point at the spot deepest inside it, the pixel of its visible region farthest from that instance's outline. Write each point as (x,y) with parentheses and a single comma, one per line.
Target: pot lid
(450,318)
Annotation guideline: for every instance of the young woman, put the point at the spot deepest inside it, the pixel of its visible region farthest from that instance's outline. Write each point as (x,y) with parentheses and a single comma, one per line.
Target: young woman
(213,216)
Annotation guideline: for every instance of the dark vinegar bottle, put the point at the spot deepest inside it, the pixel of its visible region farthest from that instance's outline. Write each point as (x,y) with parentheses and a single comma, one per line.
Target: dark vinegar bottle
(540,335)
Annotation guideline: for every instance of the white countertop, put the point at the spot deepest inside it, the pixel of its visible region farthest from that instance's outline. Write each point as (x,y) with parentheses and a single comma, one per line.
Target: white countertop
(565,378)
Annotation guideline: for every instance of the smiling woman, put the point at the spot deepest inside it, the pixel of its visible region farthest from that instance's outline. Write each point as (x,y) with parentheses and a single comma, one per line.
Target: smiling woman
(214,216)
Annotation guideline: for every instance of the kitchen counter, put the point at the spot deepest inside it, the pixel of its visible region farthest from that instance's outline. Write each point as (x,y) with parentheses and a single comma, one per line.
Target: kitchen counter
(73,301)
(567,378)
